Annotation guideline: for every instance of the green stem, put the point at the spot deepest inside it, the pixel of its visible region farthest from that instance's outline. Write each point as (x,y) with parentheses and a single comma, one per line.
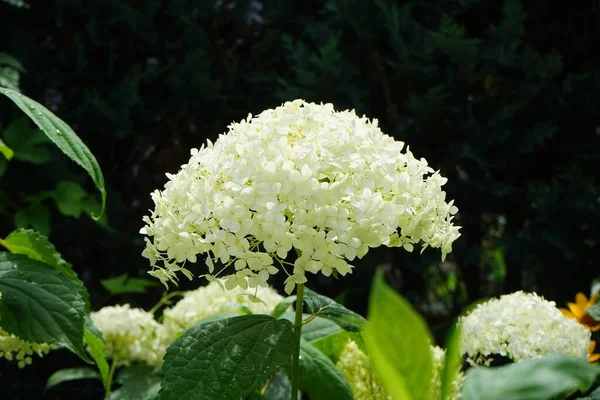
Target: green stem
(111,375)
(298,329)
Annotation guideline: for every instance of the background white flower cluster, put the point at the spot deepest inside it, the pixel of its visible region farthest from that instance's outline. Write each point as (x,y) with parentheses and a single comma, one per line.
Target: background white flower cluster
(520,326)
(301,176)
(133,335)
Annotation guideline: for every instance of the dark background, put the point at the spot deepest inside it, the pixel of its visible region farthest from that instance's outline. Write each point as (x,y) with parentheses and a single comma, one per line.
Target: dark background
(501,97)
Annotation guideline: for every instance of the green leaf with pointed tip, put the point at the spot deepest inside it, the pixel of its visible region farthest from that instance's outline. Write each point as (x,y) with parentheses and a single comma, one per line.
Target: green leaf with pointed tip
(39,304)
(37,247)
(71,374)
(6,151)
(551,377)
(226,359)
(63,136)
(319,377)
(283,306)
(97,348)
(397,340)
(125,284)
(327,308)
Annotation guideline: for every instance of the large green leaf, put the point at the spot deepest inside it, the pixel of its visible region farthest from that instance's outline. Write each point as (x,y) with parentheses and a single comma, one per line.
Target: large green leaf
(139,382)
(37,247)
(39,304)
(398,340)
(71,374)
(550,377)
(319,377)
(327,308)
(62,135)
(226,359)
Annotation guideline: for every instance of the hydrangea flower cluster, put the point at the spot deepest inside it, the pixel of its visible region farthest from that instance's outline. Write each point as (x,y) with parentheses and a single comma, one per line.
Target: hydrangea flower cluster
(356,366)
(328,184)
(14,348)
(520,326)
(131,335)
(212,299)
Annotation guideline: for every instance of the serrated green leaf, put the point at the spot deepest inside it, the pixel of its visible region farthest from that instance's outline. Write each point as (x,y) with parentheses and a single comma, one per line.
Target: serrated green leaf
(97,348)
(319,377)
(6,151)
(125,284)
(226,359)
(37,247)
(327,308)
(71,374)
(283,306)
(39,304)
(35,216)
(397,340)
(63,136)
(550,377)
(140,382)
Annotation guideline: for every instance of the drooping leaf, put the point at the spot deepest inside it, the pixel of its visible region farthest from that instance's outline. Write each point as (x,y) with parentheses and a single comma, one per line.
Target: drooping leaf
(97,348)
(397,340)
(551,377)
(226,359)
(137,382)
(62,135)
(37,247)
(71,374)
(39,304)
(327,308)
(319,377)
(125,284)
(283,306)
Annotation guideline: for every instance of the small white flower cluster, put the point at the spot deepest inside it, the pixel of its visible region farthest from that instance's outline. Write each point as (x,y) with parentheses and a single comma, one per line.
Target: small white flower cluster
(301,176)
(131,335)
(212,299)
(520,326)
(356,366)
(22,349)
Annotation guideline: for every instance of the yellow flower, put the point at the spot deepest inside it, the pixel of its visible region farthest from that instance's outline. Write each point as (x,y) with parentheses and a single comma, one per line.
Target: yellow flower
(593,357)
(578,311)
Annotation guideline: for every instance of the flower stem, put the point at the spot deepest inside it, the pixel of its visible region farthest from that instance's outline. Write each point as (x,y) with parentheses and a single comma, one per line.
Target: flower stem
(298,330)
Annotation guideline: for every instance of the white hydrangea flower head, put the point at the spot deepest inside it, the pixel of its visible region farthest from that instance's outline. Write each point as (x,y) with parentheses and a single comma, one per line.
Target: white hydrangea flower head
(213,299)
(301,176)
(365,384)
(520,326)
(131,335)
(14,348)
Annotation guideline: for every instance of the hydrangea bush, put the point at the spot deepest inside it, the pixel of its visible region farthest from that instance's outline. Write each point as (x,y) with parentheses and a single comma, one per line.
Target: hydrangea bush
(521,326)
(300,188)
